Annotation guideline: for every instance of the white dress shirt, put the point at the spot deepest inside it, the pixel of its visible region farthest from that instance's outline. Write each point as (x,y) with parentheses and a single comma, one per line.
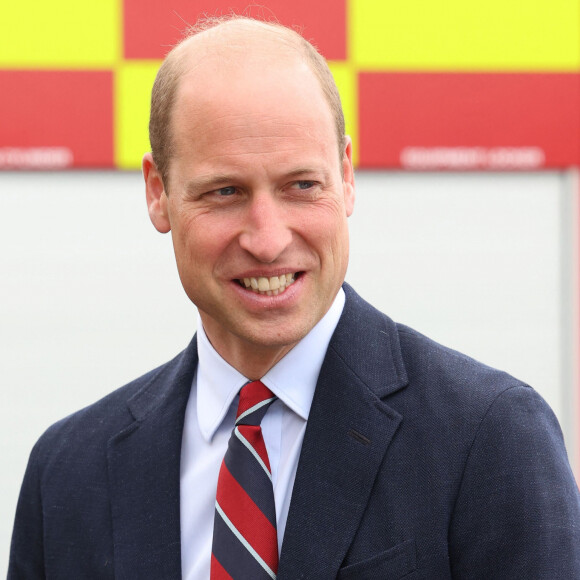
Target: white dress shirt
(209,420)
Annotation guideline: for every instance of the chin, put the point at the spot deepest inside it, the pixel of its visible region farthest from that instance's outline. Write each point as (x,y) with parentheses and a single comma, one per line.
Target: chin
(270,337)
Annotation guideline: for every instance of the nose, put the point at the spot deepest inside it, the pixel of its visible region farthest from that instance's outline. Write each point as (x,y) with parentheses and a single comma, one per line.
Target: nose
(266,233)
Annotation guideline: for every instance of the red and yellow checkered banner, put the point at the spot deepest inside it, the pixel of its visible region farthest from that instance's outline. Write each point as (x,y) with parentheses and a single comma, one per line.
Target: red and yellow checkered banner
(425,85)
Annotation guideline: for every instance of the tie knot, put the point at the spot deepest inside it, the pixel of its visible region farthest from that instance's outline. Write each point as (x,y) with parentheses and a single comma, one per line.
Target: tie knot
(255,398)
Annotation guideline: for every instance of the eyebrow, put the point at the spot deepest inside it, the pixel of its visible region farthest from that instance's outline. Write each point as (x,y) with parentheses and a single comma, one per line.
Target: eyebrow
(305,171)
(214,181)
(210,182)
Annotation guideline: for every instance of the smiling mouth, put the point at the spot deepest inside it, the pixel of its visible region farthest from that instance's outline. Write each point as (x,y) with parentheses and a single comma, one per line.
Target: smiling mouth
(269,286)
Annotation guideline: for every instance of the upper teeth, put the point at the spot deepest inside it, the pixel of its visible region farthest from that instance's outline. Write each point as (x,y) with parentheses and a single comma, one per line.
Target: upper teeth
(270,286)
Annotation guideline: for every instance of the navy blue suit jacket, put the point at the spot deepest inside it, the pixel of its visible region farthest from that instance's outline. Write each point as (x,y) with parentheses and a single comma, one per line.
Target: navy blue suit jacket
(417,462)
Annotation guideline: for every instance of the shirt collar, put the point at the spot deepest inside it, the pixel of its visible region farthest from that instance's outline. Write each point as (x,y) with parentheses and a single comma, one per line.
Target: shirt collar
(293,379)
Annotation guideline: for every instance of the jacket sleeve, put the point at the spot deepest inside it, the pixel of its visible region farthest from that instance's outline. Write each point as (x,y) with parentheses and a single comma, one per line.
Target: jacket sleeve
(26,551)
(517,514)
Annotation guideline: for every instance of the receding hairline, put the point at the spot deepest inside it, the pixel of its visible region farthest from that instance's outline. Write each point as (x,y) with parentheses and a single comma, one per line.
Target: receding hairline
(222,35)
(216,30)
(246,40)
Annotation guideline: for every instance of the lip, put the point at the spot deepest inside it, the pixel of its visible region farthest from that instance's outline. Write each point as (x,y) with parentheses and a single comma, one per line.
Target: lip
(266,274)
(253,300)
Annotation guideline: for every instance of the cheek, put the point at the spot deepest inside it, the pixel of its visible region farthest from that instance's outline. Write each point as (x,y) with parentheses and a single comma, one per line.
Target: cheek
(190,233)
(203,247)
(323,218)
(188,252)
(331,246)
(338,240)
(332,227)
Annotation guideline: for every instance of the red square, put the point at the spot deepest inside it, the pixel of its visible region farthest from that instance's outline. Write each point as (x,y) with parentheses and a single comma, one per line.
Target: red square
(66,111)
(153,27)
(463,110)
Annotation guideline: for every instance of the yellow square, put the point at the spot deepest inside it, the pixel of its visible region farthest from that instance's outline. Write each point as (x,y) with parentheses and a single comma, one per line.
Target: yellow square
(133,83)
(60,34)
(522,35)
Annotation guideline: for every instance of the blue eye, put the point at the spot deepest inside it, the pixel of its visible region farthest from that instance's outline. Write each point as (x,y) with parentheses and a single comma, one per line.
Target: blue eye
(305,184)
(226,191)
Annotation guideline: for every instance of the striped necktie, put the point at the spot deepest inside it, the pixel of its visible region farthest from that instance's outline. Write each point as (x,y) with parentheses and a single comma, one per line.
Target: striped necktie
(244,536)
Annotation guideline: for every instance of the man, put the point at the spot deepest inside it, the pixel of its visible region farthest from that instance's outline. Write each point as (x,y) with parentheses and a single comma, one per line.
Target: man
(389,455)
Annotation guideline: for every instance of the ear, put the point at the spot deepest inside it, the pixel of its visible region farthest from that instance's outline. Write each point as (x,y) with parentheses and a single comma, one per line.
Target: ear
(348,179)
(156,195)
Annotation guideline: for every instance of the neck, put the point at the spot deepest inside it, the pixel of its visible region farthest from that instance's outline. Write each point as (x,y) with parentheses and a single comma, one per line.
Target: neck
(252,363)
(250,359)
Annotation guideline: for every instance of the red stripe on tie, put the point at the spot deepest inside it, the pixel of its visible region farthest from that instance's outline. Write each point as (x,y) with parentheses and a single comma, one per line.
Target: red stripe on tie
(254,395)
(217,570)
(247,517)
(253,434)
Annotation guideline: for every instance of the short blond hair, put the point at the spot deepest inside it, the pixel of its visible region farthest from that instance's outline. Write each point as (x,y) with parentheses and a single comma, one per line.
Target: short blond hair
(173,67)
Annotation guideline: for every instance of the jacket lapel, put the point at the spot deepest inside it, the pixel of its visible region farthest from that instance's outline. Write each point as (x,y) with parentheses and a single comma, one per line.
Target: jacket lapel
(349,430)
(144,469)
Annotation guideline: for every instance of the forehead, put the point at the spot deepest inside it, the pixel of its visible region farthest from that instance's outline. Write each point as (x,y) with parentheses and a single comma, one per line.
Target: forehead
(255,93)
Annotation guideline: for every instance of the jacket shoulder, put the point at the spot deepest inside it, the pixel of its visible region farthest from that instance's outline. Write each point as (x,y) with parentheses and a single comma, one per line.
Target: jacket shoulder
(450,375)
(93,425)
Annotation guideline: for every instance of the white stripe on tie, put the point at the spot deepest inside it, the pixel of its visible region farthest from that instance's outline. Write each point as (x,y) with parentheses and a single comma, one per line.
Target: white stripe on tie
(243,540)
(254,408)
(253,452)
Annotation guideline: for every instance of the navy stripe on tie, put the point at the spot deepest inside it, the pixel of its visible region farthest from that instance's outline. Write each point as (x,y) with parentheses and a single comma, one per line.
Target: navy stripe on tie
(256,483)
(255,415)
(234,557)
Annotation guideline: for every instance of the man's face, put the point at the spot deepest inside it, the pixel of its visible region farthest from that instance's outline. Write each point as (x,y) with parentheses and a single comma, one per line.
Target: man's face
(257,199)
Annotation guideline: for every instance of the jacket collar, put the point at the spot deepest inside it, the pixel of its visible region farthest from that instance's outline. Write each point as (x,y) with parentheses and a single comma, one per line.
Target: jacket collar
(349,430)
(144,470)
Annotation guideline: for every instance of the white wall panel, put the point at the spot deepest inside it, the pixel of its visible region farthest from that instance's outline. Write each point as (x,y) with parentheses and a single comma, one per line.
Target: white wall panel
(90,297)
